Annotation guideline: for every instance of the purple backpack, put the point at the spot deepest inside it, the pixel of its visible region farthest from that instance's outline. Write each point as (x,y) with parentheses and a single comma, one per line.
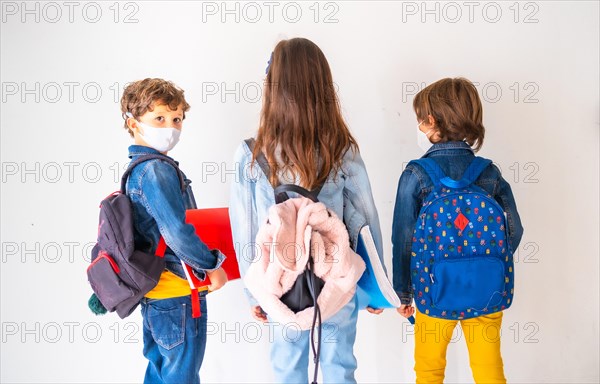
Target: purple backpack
(119,274)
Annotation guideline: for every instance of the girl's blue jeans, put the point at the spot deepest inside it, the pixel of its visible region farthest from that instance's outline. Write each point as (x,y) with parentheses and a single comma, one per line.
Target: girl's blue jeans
(291,349)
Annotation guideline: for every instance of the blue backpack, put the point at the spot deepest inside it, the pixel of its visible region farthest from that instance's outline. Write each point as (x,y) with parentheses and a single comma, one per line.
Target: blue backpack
(461,262)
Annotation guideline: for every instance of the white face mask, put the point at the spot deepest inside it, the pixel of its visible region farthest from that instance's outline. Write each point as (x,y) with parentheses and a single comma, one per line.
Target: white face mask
(161,139)
(423,138)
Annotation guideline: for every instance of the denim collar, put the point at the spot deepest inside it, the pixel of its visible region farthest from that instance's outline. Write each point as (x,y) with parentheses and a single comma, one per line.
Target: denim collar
(449,145)
(139,150)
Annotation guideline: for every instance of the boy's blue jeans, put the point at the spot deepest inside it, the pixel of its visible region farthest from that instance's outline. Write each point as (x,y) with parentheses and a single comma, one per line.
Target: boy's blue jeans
(174,342)
(291,348)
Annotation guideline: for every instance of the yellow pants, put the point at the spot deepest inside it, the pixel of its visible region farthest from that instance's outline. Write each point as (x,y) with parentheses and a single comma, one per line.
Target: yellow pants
(482,335)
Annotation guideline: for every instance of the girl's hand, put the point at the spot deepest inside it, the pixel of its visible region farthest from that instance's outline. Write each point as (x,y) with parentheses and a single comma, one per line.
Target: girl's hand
(374,310)
(258,313)
(406,310)
(218,278)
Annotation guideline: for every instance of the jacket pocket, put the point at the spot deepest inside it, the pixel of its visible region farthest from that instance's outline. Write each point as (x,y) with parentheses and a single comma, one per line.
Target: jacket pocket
(469,283)
(103,275)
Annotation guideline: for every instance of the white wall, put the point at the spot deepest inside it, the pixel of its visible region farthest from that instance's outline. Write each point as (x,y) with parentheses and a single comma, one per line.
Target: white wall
(537,68)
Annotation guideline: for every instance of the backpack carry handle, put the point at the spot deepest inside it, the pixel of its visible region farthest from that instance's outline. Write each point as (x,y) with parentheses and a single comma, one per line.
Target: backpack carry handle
(282,189)
(439,178)
(145,158)
(281,192)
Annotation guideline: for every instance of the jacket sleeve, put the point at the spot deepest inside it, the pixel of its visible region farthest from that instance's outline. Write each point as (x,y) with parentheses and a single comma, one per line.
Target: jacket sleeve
(406,211)
(242,213)
(164,202)
(359,205)
(505,198)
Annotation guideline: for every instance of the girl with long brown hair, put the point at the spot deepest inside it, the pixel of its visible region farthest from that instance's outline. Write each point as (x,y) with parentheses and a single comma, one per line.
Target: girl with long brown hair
(306,142)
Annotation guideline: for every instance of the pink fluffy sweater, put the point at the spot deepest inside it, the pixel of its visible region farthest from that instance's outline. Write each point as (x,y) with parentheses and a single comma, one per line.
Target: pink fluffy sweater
(282,248)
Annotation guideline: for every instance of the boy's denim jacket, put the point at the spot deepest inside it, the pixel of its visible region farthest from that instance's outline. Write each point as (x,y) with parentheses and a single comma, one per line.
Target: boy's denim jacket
(347,193)
(159,209)
(415,185)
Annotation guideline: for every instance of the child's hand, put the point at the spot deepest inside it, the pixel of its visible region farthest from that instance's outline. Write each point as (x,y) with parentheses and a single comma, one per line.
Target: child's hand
(258,313)
(218,278)
(374,310)
(406,310)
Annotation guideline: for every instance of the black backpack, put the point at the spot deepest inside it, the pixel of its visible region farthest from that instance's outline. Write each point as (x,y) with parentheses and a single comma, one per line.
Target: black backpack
(119,274)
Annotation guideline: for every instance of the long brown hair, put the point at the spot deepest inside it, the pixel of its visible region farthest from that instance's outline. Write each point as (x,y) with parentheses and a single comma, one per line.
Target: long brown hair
(301,117)
(456,108)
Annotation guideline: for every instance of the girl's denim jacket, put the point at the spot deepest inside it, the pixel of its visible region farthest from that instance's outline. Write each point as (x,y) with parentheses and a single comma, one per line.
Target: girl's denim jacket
(414,186)
(159,210)
(347,193)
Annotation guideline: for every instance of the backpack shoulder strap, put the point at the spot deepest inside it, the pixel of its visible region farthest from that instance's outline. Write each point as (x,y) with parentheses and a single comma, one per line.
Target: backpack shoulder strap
(281,190)
(471,174)
(260,159)
(433,170)
(145,158)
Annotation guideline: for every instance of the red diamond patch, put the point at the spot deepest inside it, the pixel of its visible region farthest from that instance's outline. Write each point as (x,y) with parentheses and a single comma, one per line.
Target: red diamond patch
(461,221)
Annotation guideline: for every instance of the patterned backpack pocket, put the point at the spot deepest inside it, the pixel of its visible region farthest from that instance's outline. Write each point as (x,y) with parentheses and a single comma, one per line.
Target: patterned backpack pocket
(475,283)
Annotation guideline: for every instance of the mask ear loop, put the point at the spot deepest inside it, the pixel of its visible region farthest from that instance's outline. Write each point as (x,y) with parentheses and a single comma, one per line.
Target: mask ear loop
(129,115)
(428,133)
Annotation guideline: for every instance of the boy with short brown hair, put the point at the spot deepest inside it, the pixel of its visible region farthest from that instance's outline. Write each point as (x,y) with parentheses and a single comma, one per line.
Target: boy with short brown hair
(174,339)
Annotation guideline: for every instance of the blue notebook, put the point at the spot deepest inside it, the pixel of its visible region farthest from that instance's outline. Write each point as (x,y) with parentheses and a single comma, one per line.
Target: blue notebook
(374,288)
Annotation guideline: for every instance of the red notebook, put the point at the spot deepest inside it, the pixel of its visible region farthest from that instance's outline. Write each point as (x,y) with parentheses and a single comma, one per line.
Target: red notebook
(213,228)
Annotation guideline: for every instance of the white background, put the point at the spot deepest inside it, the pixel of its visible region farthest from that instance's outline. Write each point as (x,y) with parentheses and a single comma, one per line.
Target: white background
(62,145)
